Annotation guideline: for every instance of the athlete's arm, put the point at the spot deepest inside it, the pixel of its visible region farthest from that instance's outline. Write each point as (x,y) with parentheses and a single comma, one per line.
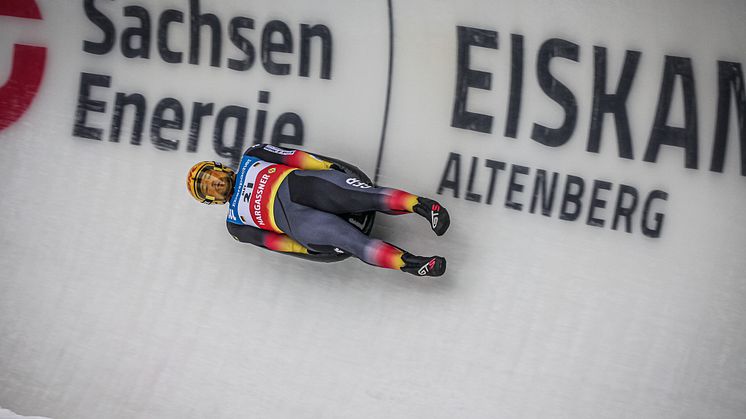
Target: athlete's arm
(288,156)
(266,239)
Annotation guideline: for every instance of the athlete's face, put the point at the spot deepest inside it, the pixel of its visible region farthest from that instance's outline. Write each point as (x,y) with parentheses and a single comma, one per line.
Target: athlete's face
(216,183)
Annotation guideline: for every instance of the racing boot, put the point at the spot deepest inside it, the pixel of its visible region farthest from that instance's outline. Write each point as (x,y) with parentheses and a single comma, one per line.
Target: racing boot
(433,211)
(423,266)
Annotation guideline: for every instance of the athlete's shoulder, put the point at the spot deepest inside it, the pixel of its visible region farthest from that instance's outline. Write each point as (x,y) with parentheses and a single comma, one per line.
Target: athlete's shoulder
(254,148)
(245,233)
(282,151)
(269,148)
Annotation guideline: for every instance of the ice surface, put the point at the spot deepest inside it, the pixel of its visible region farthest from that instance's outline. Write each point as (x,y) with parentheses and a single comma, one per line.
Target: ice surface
(7,414)
(120,297)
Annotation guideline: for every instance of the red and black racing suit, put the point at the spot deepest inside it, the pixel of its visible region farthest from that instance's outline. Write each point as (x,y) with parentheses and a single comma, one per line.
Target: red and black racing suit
(290,201)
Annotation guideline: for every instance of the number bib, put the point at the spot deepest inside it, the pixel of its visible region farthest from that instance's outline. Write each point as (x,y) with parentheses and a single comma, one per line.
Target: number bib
(254,194)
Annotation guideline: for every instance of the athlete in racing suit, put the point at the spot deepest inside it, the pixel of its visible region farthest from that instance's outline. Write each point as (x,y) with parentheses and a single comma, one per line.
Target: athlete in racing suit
(288,200)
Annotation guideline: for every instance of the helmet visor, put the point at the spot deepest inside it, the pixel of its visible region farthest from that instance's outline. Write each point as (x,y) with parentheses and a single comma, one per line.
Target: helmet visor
(215,185)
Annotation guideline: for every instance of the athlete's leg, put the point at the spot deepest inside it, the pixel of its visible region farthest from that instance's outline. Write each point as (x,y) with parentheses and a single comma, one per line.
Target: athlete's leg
(338,193)
(322,231)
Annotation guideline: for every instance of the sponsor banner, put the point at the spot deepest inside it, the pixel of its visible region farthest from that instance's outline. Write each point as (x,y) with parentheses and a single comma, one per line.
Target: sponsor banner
(590,124)
(593,126)
(204,77)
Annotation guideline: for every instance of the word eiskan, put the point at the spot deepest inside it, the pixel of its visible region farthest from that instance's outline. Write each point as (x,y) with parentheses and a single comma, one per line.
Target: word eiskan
(730,83)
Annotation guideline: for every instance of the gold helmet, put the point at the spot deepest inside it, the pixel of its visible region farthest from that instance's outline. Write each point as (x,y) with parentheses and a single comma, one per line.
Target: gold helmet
(197,174)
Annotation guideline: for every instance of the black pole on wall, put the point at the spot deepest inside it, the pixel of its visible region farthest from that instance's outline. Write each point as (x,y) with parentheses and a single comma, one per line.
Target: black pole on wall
(388,95)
